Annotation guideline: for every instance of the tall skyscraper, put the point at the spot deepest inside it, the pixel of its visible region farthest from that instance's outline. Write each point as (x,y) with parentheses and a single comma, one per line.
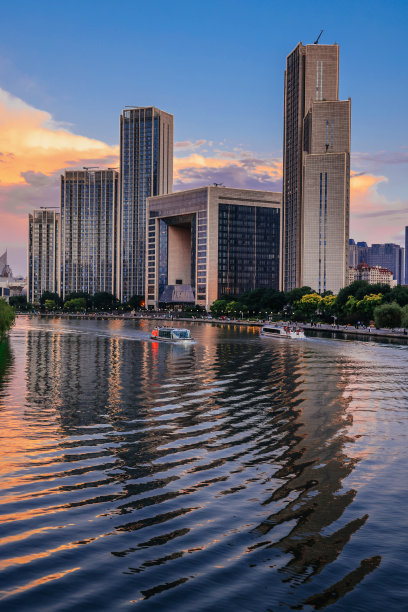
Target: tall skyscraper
(43,253)
(88,230)
(316,171)
(406,255)
(146,169)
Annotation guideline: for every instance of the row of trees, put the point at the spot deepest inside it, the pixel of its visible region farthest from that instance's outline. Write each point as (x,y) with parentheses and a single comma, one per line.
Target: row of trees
(7,317)
(359,302)
(77,302)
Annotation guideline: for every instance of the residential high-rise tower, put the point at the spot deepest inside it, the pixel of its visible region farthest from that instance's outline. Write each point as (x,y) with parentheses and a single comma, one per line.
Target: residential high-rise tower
(43,253)
(146,169)
(88,230)
(316,171)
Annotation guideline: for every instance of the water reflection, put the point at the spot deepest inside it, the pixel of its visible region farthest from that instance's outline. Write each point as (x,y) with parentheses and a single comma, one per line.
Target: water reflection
(211,475)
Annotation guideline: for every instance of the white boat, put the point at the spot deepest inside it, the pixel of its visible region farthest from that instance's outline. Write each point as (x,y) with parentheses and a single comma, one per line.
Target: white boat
(171,334)
(283,331)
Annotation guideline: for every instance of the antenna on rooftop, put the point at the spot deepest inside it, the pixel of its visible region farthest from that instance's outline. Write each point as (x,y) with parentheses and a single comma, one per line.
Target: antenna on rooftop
(316,42)
(89,167)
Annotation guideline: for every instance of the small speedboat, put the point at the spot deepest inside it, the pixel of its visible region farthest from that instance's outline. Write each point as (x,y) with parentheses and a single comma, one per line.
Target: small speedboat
(171,334)
(283,331)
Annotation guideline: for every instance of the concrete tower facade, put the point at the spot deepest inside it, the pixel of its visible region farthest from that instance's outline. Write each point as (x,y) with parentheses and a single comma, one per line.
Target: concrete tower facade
(316,171)
(43,253)
(146,169)
(88,230)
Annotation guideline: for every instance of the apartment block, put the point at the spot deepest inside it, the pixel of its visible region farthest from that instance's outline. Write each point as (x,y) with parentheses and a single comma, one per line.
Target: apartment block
(43,253)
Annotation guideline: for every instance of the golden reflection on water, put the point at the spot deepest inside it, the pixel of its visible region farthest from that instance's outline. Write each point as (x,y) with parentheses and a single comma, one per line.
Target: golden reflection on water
(233,446)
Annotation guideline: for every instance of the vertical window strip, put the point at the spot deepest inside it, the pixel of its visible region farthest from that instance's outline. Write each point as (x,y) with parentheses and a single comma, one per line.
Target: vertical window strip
(325,229)
(321,80)
(320,234)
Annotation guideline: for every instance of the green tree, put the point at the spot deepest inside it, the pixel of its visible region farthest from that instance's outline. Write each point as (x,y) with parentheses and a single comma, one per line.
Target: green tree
(234,308)
(75,305)
(365,307)
(295,295)
(50,305)
(404,317)
(388,315)
(19,302)
(218,307)
(79,294)
(398,294)
(104,301)
(136,302)
(308,305)
(48,295)
(7,317)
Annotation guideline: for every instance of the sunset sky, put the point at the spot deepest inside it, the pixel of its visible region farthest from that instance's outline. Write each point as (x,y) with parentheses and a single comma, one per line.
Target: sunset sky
(68,69)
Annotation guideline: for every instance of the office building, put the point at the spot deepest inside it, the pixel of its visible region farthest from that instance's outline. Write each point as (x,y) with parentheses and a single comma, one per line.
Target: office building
(316,171)
(389,255)
(43,253)
(146,169)
(89,203)
(211,242)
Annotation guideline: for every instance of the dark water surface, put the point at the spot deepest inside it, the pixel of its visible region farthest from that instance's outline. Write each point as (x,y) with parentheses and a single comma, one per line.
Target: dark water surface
(238,473)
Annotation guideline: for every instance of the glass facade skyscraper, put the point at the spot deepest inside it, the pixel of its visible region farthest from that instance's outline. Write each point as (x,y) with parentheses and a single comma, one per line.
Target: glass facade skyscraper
(146,169)
(88,230)
(248,248)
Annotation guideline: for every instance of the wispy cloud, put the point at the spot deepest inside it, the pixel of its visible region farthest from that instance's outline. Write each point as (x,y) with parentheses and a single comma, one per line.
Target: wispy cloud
(189,145)
(380,158)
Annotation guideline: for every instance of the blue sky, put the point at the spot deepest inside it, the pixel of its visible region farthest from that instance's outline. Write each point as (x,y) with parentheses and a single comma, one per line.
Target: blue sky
(218,67)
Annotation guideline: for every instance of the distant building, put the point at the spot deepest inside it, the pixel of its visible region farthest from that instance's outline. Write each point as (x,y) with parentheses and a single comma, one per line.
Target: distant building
(389,255)
(89,205)
(371,274)
(406,255)
(146,169)
(43,253)
(316,171)
(4,289)
(211,242)
(3,262)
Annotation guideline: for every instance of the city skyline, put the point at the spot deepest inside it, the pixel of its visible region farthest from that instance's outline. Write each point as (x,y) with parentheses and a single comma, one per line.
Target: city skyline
(49,126)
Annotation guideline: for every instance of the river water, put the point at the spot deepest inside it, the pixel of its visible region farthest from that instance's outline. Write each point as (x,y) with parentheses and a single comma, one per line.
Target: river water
(236,473)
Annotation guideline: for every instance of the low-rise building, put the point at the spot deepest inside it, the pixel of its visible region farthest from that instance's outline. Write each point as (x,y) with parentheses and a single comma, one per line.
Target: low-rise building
(371,274)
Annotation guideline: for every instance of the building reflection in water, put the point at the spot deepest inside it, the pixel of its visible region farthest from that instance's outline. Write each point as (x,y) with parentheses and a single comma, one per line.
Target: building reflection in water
(185,426)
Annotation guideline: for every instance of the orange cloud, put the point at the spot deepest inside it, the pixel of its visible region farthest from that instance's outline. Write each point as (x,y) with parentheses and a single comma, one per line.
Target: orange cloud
(31,141)
(373,217)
